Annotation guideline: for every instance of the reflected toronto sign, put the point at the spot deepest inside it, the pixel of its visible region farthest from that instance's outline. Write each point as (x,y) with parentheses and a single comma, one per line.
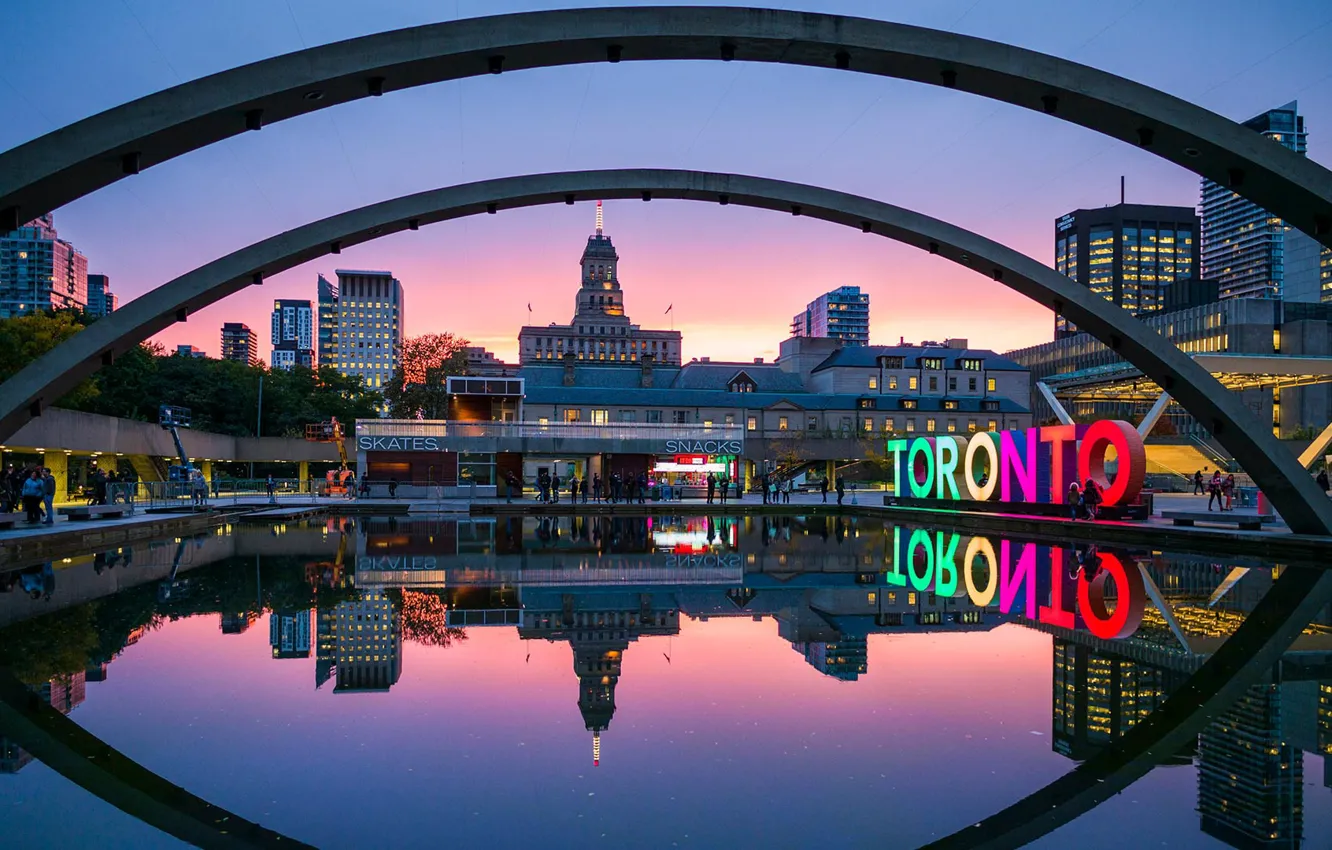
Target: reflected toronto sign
(1035,465)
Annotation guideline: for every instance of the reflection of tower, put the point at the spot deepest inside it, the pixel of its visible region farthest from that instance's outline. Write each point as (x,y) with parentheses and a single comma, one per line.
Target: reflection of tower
(1250,782)
(326,645)
(368,638)
(289,633)
(238,623)
(1097,698)
(1325,729)
(597,658)
(845,658)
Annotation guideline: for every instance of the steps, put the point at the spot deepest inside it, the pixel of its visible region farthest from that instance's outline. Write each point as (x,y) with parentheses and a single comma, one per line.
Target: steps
(1182,460)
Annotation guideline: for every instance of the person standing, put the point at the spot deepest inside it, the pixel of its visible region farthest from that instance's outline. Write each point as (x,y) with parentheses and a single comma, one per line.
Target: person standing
(642,488)
(1228,490)
(555,488)
(32,493)
(1197,482)
(1214,490)
(763,485)
(596,487)
(1322,481)
(823,489)
(583,488)
(573,489)
(1091,498)
(270,486)
(393,488)
(48,494)
(712,486)
(1074,500)
(723,484)
(841,489)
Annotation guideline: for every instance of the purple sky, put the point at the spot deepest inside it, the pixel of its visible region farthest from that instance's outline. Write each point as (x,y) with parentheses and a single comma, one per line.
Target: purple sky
(735,276)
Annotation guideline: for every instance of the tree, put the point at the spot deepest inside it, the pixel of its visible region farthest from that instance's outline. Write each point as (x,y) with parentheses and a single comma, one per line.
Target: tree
(418,388)
(25,338)
(789,451)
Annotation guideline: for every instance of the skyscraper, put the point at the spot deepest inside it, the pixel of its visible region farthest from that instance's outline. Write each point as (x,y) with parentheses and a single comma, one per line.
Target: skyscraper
(292,333)
(328,322)
(1242,243)
(1127,253)
(289,633)
(842,313)
(600,330)
(370,307)
(40,271)
(101,300)
(368,638)
(240,344)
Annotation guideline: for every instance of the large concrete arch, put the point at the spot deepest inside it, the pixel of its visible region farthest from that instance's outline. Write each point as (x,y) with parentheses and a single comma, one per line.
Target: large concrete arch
(1305,508)
(68,163)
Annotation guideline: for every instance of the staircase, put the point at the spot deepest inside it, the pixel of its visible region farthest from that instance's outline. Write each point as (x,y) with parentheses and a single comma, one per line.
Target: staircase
(1181,459)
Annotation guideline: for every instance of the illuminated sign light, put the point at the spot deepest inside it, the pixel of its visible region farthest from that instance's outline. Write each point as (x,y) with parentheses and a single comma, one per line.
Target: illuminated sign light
(1035,465)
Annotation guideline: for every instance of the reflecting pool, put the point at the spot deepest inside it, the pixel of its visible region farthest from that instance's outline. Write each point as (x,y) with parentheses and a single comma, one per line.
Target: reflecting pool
(654,682)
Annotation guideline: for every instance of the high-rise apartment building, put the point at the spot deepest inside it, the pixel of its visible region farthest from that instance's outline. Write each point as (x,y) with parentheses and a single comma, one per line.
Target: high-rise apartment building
(40,271)
(240,344)
(842,313)
(1242,243)
(369,331)
(600,330)
(327,353)
(292,334)
(1308,269)
(368,640)
(1127,253)
(101,300)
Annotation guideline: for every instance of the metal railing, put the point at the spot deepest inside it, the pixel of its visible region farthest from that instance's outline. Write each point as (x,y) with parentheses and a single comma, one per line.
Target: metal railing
(232,491)
(570,430)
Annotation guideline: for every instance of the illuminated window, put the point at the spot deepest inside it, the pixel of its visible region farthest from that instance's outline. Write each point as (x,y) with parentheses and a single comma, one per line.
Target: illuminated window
(571,414)
(892,382)
(913,383)
(751,423)
(600,417)
(869,423)
(781,423)
(952,426)
(971,426)
(929,425)
(888,424)
(874,383)
(989,385)
(992,425)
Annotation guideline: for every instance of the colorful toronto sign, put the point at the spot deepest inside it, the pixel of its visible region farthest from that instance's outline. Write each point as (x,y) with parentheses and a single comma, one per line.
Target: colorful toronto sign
(1035,465)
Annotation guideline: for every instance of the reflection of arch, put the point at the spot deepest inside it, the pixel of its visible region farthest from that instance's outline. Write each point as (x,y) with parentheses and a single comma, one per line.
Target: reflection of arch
(1291,490)
(1248,654)
(65,747)
(71,162)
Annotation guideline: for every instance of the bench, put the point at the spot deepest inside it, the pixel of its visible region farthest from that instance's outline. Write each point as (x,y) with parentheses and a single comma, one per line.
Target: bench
(88,512)
(8,520)
(1246,522)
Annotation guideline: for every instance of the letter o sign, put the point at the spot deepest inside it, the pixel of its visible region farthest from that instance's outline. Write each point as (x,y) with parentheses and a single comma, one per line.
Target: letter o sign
(1129,604)
(1131,457)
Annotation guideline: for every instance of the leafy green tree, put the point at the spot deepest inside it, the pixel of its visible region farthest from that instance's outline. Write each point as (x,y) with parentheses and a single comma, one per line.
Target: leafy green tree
(419,387)
(25,338)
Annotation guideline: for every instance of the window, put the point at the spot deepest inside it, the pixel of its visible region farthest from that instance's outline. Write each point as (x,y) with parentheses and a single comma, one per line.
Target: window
(908,403)
(952,384)
(934,384)
(600,417)
(869,423)
(950,404)
(751,423)
(654,417)
(993,426)
(680,417)
(867,404)
(913,383)
(476,468)
(911,426)
(931,363)
(874,383)
(542,420)
(571,414)
(628,416)
(781,423)
(990,404)
(971,426)
(813,423)
(989,385)
(730,419)
(952,426)
(969,364)
(971,385)
(888,424)
(929,425)
(707,424)
(892,362)
(892,382)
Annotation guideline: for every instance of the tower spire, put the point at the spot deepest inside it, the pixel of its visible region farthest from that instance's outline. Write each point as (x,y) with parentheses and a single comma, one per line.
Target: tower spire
(600,220)
(596,749)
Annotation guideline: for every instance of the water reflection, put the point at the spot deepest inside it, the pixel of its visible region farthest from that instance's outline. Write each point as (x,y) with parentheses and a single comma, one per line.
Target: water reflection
(342,596)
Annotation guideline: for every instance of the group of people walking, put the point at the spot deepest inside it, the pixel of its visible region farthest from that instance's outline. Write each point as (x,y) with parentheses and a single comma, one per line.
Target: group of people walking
(1220,491)
(619,487)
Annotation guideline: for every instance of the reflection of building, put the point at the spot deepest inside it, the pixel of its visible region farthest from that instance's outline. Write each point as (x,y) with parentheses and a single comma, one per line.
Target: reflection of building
(368,640)
(599,626)
(600,330)
(238,623)
(289,633)
(40,271)
(841,314)
(1250,781)
(1097,698)
(844,659)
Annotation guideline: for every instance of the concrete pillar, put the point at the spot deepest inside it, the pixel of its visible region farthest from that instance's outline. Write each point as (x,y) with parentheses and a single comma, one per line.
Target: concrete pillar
(58,463)
(303,473)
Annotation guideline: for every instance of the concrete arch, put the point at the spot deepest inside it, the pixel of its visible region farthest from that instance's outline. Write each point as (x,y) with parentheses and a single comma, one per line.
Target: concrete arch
(1305,508)
(73,161)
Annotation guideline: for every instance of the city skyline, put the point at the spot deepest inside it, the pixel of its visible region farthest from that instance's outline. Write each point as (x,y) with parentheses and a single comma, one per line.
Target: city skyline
(253,189)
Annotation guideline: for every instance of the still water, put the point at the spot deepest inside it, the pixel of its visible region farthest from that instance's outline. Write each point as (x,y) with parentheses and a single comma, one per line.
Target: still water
(653,682)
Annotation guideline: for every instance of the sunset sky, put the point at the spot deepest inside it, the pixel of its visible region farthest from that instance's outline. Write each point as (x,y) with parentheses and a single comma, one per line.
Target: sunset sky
(735,276)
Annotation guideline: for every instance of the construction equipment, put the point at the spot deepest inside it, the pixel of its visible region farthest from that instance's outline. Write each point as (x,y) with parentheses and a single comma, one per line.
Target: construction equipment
(331,432)
(172,419)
